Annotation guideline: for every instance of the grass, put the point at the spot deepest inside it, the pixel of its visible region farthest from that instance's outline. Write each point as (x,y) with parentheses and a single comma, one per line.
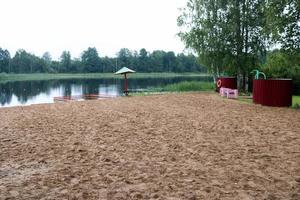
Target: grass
(245,100)
(44,76)
(296,102)
(186,86)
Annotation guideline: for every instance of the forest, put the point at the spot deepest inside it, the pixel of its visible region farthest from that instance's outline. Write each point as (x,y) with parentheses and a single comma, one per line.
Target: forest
(91,62)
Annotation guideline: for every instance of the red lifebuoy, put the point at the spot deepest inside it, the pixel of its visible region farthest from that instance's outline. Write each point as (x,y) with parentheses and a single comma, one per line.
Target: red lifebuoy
(219,83)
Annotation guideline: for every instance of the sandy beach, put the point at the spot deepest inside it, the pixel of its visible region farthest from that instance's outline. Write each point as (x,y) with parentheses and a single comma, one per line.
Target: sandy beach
(174,146)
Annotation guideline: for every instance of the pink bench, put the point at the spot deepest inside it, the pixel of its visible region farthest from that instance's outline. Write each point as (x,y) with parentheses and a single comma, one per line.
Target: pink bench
(229,93)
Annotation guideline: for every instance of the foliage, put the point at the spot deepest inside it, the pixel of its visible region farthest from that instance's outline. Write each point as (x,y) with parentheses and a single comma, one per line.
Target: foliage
(233,36)
(90,62)
(4,60)
(284,64)
(227,35)
(65,62)
(24,62)
(124,57)
(283,23)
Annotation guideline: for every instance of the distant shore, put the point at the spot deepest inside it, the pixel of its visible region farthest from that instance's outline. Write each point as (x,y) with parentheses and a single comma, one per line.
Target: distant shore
(47,76)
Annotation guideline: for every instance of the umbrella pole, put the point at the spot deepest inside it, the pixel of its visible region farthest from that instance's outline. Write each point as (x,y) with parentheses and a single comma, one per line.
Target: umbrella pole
(126,85)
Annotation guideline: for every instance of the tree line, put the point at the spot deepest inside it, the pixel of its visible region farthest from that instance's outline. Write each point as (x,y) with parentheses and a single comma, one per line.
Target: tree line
(234,37)
(91,62)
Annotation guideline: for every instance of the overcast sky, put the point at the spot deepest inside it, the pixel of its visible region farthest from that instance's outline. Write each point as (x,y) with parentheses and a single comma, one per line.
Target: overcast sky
(56,25)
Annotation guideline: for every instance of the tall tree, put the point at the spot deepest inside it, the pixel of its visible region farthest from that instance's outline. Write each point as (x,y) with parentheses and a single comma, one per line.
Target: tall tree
(283,23)
(108,64)
(206,31)
(170,62)
(47,59)
(4,60)
(91,61)
(21,62)
(65,62)
(24,62)
(226,34)
(144,60)
(157,61)
(124,58)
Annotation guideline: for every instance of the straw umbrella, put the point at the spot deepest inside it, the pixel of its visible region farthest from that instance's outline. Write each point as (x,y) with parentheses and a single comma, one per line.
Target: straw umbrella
(125,71)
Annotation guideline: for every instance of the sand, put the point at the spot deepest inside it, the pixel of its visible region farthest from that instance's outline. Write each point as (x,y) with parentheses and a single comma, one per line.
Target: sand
(174,146)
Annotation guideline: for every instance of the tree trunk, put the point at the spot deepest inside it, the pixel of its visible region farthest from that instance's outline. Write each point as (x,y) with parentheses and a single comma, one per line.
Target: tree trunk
(239,39)
(246,43)
(244,81)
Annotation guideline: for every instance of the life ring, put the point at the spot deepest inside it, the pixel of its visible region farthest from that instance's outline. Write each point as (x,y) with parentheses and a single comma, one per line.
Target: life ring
(219,83)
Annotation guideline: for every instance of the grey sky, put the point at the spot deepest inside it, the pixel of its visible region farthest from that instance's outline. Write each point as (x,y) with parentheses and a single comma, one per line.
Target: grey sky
(56,25)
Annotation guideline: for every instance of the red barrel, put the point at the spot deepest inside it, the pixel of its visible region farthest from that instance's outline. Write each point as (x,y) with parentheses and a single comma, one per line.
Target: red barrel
(273,92)
(227,82)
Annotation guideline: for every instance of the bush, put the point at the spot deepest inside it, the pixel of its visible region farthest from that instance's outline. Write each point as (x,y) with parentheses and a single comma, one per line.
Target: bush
(282,64)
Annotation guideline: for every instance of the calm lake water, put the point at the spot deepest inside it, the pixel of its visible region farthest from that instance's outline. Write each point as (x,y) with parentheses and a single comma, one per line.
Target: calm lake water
(37,92)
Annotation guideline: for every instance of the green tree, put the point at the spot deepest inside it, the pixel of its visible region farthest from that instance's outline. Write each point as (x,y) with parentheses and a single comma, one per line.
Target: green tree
(77,66)
(227,35)
(188,63)
(157,60)
(47,60)
(205,32)
(108,64)
(65,62)
(91,61)
(135,61)
(169,61)
(47,57)
(283,23)
(124,58)
(280,64)
(4,60)
(22,62)
(143,61)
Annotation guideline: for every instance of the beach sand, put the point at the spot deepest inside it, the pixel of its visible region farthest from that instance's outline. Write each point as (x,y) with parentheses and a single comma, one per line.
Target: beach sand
(173,146)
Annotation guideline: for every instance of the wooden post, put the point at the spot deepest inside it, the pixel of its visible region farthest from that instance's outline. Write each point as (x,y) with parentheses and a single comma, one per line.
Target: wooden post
(126,85)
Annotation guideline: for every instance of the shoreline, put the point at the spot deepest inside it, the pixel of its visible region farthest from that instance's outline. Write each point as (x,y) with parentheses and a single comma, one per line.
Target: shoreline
(58,76)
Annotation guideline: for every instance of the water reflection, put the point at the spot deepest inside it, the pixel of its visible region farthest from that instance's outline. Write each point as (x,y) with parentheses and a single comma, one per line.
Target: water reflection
(35,92)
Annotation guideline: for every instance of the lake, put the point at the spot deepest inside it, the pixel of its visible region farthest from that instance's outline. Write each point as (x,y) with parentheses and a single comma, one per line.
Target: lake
(36,92)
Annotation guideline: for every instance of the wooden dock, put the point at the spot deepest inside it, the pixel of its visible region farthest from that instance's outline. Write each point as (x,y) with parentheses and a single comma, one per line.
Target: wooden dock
(83,97)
